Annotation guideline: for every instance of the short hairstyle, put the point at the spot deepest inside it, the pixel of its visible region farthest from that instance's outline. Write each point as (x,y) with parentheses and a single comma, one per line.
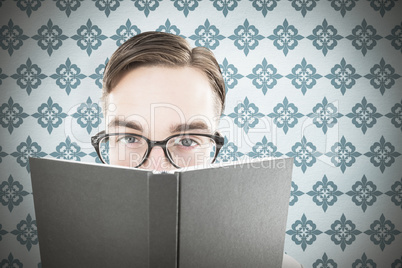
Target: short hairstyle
(163,49)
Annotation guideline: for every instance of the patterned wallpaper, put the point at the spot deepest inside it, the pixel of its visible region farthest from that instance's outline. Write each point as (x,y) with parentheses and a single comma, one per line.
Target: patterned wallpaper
(319,81)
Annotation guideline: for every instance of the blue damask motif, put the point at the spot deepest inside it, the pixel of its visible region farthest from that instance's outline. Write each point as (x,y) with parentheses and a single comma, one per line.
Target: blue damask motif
(98,75)
(364,115)
(382,154)
(343,5)
(304,232)
(146,5)
(107,5)
(325,115)
(11,193)
(230,75)
(304,153)
(264,76)
(168,28)
(50,37)
(325,262)
(265,5)
(26,232)
(246,115)
(382,6)
(304,76)
(68,5)
(69,151)
(95,155)
(11,262)
(225,5)
(382,232)
(50,115)
(364,193)
(343,154)
(325,193)
(11,37)
(364,262)
(2,154)
(68,76)
(2,232)
(304,5)
(285,37)
(343,232)
(396,193)
(88,115)
(89,37)
(229,152)
(207,36)
(125,32)
(11,115)
(343,76)
(29,76)
(2,76)
(382,76)
(364,37)
(396,37)
(397,263)
(325,37)
(294,194)
(27,149)
(186,5)
(29,5)
(246,37)
(285,115)
(264,149)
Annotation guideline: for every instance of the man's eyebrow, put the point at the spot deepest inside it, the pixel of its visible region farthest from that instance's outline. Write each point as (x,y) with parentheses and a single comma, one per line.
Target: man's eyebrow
(121,123)
(196,125)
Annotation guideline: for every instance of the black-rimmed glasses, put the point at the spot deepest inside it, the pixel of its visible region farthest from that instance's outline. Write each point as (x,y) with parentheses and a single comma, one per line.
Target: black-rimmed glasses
(182,150)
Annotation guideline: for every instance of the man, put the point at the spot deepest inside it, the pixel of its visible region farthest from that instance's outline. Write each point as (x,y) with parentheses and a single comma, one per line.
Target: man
(156,86)
(162,104)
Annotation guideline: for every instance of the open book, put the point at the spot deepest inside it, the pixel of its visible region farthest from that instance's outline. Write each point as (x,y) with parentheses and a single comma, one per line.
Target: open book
(225,215)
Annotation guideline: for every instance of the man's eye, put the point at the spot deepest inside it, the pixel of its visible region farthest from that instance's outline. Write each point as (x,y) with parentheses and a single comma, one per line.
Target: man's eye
(128,139)
(187,142)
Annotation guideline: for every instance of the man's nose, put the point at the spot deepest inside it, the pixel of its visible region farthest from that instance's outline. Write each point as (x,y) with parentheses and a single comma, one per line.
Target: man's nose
(157,160)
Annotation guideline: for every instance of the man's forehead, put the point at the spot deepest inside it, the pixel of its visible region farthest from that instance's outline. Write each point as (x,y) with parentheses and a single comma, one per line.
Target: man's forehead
(162,101)
(184,87)
(161,120)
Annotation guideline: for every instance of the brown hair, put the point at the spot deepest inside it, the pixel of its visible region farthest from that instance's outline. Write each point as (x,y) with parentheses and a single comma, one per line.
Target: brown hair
(159,48)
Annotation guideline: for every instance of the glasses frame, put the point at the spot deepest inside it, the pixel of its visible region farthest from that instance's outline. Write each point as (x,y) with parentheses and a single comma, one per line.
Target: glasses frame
(96,139)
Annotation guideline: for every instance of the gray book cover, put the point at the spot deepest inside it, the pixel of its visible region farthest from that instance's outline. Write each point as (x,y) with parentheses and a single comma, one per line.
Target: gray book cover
(231,215)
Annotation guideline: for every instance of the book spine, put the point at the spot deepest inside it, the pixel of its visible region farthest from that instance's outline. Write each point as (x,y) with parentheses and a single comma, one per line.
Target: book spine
(163,219)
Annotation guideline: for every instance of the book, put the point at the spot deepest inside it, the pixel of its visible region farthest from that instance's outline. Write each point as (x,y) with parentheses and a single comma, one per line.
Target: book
(225,215)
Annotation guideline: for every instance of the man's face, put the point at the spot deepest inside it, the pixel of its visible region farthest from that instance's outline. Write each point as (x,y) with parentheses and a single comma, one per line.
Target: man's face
(158,102)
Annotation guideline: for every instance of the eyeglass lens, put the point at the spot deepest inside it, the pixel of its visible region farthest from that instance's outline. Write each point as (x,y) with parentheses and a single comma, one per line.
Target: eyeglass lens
(183,150)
